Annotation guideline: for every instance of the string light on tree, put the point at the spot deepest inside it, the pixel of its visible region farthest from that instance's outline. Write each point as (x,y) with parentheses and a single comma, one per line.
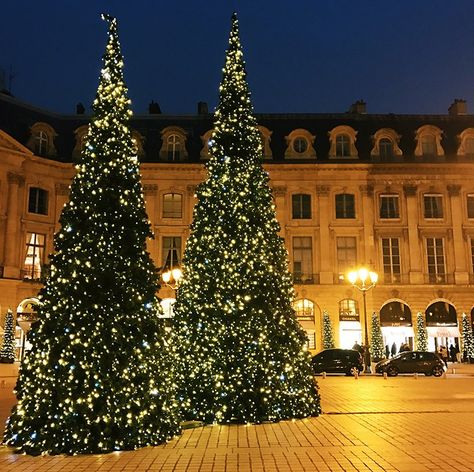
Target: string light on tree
(328,333)
(421,338)
(467,338)
(377,348)
(243,351)
(97,378)
(7,352)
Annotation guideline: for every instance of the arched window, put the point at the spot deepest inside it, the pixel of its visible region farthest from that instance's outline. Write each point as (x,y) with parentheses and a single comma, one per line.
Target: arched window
(173,147)
(428,145)
(428,139)
(304,309)
(441,313)
(348,310)
(300,144)
(41,141)
(395,313)
(173,144)
(386,144)
(342,139)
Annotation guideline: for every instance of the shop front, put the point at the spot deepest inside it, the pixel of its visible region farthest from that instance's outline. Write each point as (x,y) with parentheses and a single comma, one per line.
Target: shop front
(396,324)
(350,330)
(442,325)
(305,313)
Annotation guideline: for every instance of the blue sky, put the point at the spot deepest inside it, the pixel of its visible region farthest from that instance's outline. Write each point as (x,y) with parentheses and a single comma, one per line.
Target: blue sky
(408,56)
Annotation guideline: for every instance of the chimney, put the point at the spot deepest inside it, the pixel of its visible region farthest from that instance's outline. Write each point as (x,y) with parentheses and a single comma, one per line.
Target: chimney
(358,107)
(80,109)
(154,108)
(202,108)
(458,107)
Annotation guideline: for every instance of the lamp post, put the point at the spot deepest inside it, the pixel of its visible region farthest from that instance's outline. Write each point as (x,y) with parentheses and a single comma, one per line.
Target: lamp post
(363,280)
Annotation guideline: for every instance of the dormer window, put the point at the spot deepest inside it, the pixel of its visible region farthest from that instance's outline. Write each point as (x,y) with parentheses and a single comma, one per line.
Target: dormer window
(385,148)
(265,135)
(81,138)
(300,144)
(343,140)
(466,143)
(429,141)
(41,141)
(386,144)
(174,144)
(206,140)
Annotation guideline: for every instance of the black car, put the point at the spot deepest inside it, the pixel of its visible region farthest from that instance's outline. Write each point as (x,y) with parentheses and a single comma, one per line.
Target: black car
(411,362)
(337,361)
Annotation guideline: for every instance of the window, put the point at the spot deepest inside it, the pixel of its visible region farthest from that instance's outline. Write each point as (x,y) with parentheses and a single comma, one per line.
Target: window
(472,258)
(386,148)
(38,201)
(346,254)
(348,309)
(391,260)
(304,309)
(436,262)
(172,205)
(171,252)
(301,205)
(345,205)
(173,147)
(35,244)
(300,145)
(302,259)
(428,145)
(41,143)
(389,208)
(469,146)
(343,145)
(433,206)
(311,339)
(470,206)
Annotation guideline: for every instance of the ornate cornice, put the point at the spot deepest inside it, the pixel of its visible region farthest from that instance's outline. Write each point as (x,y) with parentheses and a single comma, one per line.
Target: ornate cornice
(191,189)
(279,191)
(454,190)
(15,178)
(150,189)
(323,190)
(409,190)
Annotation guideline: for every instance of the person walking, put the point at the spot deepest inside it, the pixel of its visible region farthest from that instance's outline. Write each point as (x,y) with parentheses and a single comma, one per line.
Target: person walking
(452,353)
(393,350)
(443,352)
(387,351)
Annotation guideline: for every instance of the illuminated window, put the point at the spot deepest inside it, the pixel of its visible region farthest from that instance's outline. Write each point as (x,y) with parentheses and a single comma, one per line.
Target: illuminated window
(35,244)
(346,254)
(172,205)
(41,143)
(391,259)
(348,309)
(171,252)
(436,260)
(304,309)
(38,201)
(302,259)
(167,305)
(428,145)
(311,339)
(301,206)
(173,147)
(41,140)
(389,208)
(345,205)
(433,206)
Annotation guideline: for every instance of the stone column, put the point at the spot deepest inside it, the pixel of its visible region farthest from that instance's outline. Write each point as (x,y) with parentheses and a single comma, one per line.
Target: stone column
(461,274)
(326,275)
(13,237)
(415,256)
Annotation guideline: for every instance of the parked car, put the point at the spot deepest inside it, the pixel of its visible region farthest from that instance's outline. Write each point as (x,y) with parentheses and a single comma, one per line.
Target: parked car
(337,361)
(411,362)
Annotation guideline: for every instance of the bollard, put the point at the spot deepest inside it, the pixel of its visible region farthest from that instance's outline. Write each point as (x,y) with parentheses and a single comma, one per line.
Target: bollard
(453,370)
(323,374)
(356,374)
(444,375)
(416,376)
(385,376)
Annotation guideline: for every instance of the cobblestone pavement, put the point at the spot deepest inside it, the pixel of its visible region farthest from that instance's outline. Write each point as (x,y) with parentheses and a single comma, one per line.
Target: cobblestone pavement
(369,424)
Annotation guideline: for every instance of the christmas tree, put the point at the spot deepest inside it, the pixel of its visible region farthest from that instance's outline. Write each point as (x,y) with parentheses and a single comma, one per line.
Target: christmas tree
(328,335)
(376,339)
(421,338)
(243,351)
(97,377)
(7,352)
(467,338)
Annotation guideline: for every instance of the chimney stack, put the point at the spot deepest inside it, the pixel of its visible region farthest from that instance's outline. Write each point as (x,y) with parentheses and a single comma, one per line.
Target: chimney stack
(359,108)
(458,107)
(202,108)
(154,108)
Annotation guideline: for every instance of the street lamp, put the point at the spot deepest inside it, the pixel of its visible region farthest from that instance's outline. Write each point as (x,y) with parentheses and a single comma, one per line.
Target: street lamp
(363,280)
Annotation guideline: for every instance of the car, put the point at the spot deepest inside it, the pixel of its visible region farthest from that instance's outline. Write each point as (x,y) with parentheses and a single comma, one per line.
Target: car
(337,361)
(411,362)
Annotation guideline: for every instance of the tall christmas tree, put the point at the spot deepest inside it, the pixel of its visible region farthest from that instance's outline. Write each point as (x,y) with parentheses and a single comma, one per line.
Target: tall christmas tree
(328,334)
(7,352)
(376,339)
(243,351)
(421,337)
(467,338)
(97,377)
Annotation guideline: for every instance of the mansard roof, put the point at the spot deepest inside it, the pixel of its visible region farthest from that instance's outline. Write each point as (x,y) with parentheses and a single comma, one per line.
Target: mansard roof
(17,118)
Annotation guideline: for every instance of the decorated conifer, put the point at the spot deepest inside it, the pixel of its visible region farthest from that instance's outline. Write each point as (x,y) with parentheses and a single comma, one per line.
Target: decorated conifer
(421,337)
(7,352)
(97,377)
(328,334)
(376,339)
(243,351)
(467,338)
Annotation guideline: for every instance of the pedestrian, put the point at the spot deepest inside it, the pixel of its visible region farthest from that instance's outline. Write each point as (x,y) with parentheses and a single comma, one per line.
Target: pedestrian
(387,351)
(458,355)
(443,352)
(452,353)
(357,347)
(393,350)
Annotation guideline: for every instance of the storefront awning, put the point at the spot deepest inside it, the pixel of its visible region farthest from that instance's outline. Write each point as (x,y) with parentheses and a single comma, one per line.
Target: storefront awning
(395,331)
(443,331)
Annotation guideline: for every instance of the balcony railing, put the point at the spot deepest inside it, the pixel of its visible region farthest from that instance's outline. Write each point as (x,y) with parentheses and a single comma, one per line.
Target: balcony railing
(305,279)
(439,279)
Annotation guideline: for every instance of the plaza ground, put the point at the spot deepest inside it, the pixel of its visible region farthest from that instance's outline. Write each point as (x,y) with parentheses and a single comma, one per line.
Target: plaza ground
(368,424)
